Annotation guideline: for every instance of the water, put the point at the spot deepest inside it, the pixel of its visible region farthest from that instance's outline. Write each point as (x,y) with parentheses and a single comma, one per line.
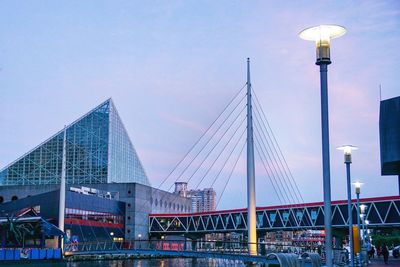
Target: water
(173,262)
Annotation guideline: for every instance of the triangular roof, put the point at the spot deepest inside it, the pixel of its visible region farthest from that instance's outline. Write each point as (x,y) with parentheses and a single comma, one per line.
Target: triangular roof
(99,150)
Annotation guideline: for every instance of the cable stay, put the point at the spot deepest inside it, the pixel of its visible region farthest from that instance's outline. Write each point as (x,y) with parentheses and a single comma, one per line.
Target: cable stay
(208,141)
(278,149)
(230,174)
(271,147)
(201,137)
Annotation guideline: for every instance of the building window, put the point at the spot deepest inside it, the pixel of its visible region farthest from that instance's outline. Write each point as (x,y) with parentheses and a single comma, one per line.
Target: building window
(129,205)
(129,192)
(129,217)
(156,202)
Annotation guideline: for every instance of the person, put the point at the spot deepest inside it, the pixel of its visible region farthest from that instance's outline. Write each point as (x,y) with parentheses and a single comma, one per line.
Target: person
(372,252)
(379,251)
(385,253)
(369,248)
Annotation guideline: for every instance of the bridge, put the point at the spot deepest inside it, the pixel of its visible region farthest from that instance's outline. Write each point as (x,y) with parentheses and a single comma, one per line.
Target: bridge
(381,212)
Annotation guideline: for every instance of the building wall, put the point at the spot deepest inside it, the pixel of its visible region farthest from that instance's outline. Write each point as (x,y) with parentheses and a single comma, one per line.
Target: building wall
(91,218)
(139,201)
(389,131)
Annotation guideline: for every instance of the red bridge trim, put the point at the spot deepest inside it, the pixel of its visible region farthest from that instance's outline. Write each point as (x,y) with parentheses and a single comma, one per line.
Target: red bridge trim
(93,223)
(302,205)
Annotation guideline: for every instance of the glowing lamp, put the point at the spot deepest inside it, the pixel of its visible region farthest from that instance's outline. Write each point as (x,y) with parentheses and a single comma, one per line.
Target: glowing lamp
(347,152)
(358,185)
(363,208)
(322,36)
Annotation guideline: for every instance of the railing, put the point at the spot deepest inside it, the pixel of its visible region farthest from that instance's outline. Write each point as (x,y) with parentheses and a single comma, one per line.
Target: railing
(214,247)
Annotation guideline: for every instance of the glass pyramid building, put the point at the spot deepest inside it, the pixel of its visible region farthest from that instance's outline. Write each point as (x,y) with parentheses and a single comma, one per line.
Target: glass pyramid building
(98,151)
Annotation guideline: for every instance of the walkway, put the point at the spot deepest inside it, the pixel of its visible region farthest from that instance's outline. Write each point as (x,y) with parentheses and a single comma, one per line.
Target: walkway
(378,262)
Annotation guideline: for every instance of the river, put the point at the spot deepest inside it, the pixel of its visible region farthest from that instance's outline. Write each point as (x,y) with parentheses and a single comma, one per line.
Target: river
(170,262)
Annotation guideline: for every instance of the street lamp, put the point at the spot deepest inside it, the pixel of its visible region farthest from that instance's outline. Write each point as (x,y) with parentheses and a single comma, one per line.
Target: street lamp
(347,160)
(322,36)
(140,239)
(363,209)
(358,185)
(366,229)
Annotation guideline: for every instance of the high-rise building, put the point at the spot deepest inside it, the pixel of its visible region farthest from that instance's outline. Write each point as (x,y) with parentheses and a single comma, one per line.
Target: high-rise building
(98,151)
(202,200)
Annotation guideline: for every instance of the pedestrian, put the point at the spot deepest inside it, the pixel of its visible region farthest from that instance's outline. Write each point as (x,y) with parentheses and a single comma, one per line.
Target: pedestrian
(379,251)
(373,252)
(369,248)
(385,253)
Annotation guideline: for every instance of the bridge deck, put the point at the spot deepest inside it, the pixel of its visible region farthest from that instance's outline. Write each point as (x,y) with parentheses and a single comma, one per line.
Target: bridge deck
(171,253)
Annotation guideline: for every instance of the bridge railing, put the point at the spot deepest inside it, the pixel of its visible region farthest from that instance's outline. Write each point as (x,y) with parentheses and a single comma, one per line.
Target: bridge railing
(310,253)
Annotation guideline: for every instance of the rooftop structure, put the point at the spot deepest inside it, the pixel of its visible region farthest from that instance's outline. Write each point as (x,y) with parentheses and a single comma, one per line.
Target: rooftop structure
(98,151)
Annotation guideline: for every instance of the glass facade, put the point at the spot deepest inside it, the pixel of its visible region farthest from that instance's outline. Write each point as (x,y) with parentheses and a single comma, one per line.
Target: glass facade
(123,160)
(98,151)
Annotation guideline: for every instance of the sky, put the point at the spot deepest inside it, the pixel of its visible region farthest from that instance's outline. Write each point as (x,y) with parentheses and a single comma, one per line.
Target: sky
(171,66)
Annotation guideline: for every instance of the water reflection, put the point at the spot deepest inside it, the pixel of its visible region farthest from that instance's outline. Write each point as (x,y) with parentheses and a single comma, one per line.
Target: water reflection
(173,262)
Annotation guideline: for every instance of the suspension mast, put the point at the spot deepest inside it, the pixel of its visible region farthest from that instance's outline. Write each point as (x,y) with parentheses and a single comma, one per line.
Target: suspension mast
(251,192)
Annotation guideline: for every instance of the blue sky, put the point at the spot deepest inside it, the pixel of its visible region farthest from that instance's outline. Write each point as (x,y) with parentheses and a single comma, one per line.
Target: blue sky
(171,66)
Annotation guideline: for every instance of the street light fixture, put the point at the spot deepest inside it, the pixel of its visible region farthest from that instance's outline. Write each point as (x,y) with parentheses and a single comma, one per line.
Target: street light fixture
(358,185)
(347,160)
(322,36)
(363,208)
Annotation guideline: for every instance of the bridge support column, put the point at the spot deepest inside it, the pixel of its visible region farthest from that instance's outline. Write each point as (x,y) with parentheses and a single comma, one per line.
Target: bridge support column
(251,188)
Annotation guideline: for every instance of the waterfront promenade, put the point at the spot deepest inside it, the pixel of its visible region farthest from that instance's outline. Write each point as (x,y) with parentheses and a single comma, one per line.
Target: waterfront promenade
(378,262)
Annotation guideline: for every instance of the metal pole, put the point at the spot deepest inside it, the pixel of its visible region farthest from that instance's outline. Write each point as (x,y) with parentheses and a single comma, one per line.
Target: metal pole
(326,163)
(363,230)
(398,179)
(358,223)
(251,191)
(61,207)
(350,214)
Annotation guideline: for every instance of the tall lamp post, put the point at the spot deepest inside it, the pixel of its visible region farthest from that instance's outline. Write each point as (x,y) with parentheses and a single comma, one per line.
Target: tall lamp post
(358,185)
(347,160)
(322,36)
(363,209)
(367,230)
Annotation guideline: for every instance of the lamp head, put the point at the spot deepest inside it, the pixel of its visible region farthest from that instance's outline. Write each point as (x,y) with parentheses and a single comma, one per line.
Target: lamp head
(358,185)
(347,152)
(322,36)
(363,208)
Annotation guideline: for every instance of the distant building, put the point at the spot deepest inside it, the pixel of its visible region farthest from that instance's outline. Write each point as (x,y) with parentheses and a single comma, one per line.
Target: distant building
(202,200)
